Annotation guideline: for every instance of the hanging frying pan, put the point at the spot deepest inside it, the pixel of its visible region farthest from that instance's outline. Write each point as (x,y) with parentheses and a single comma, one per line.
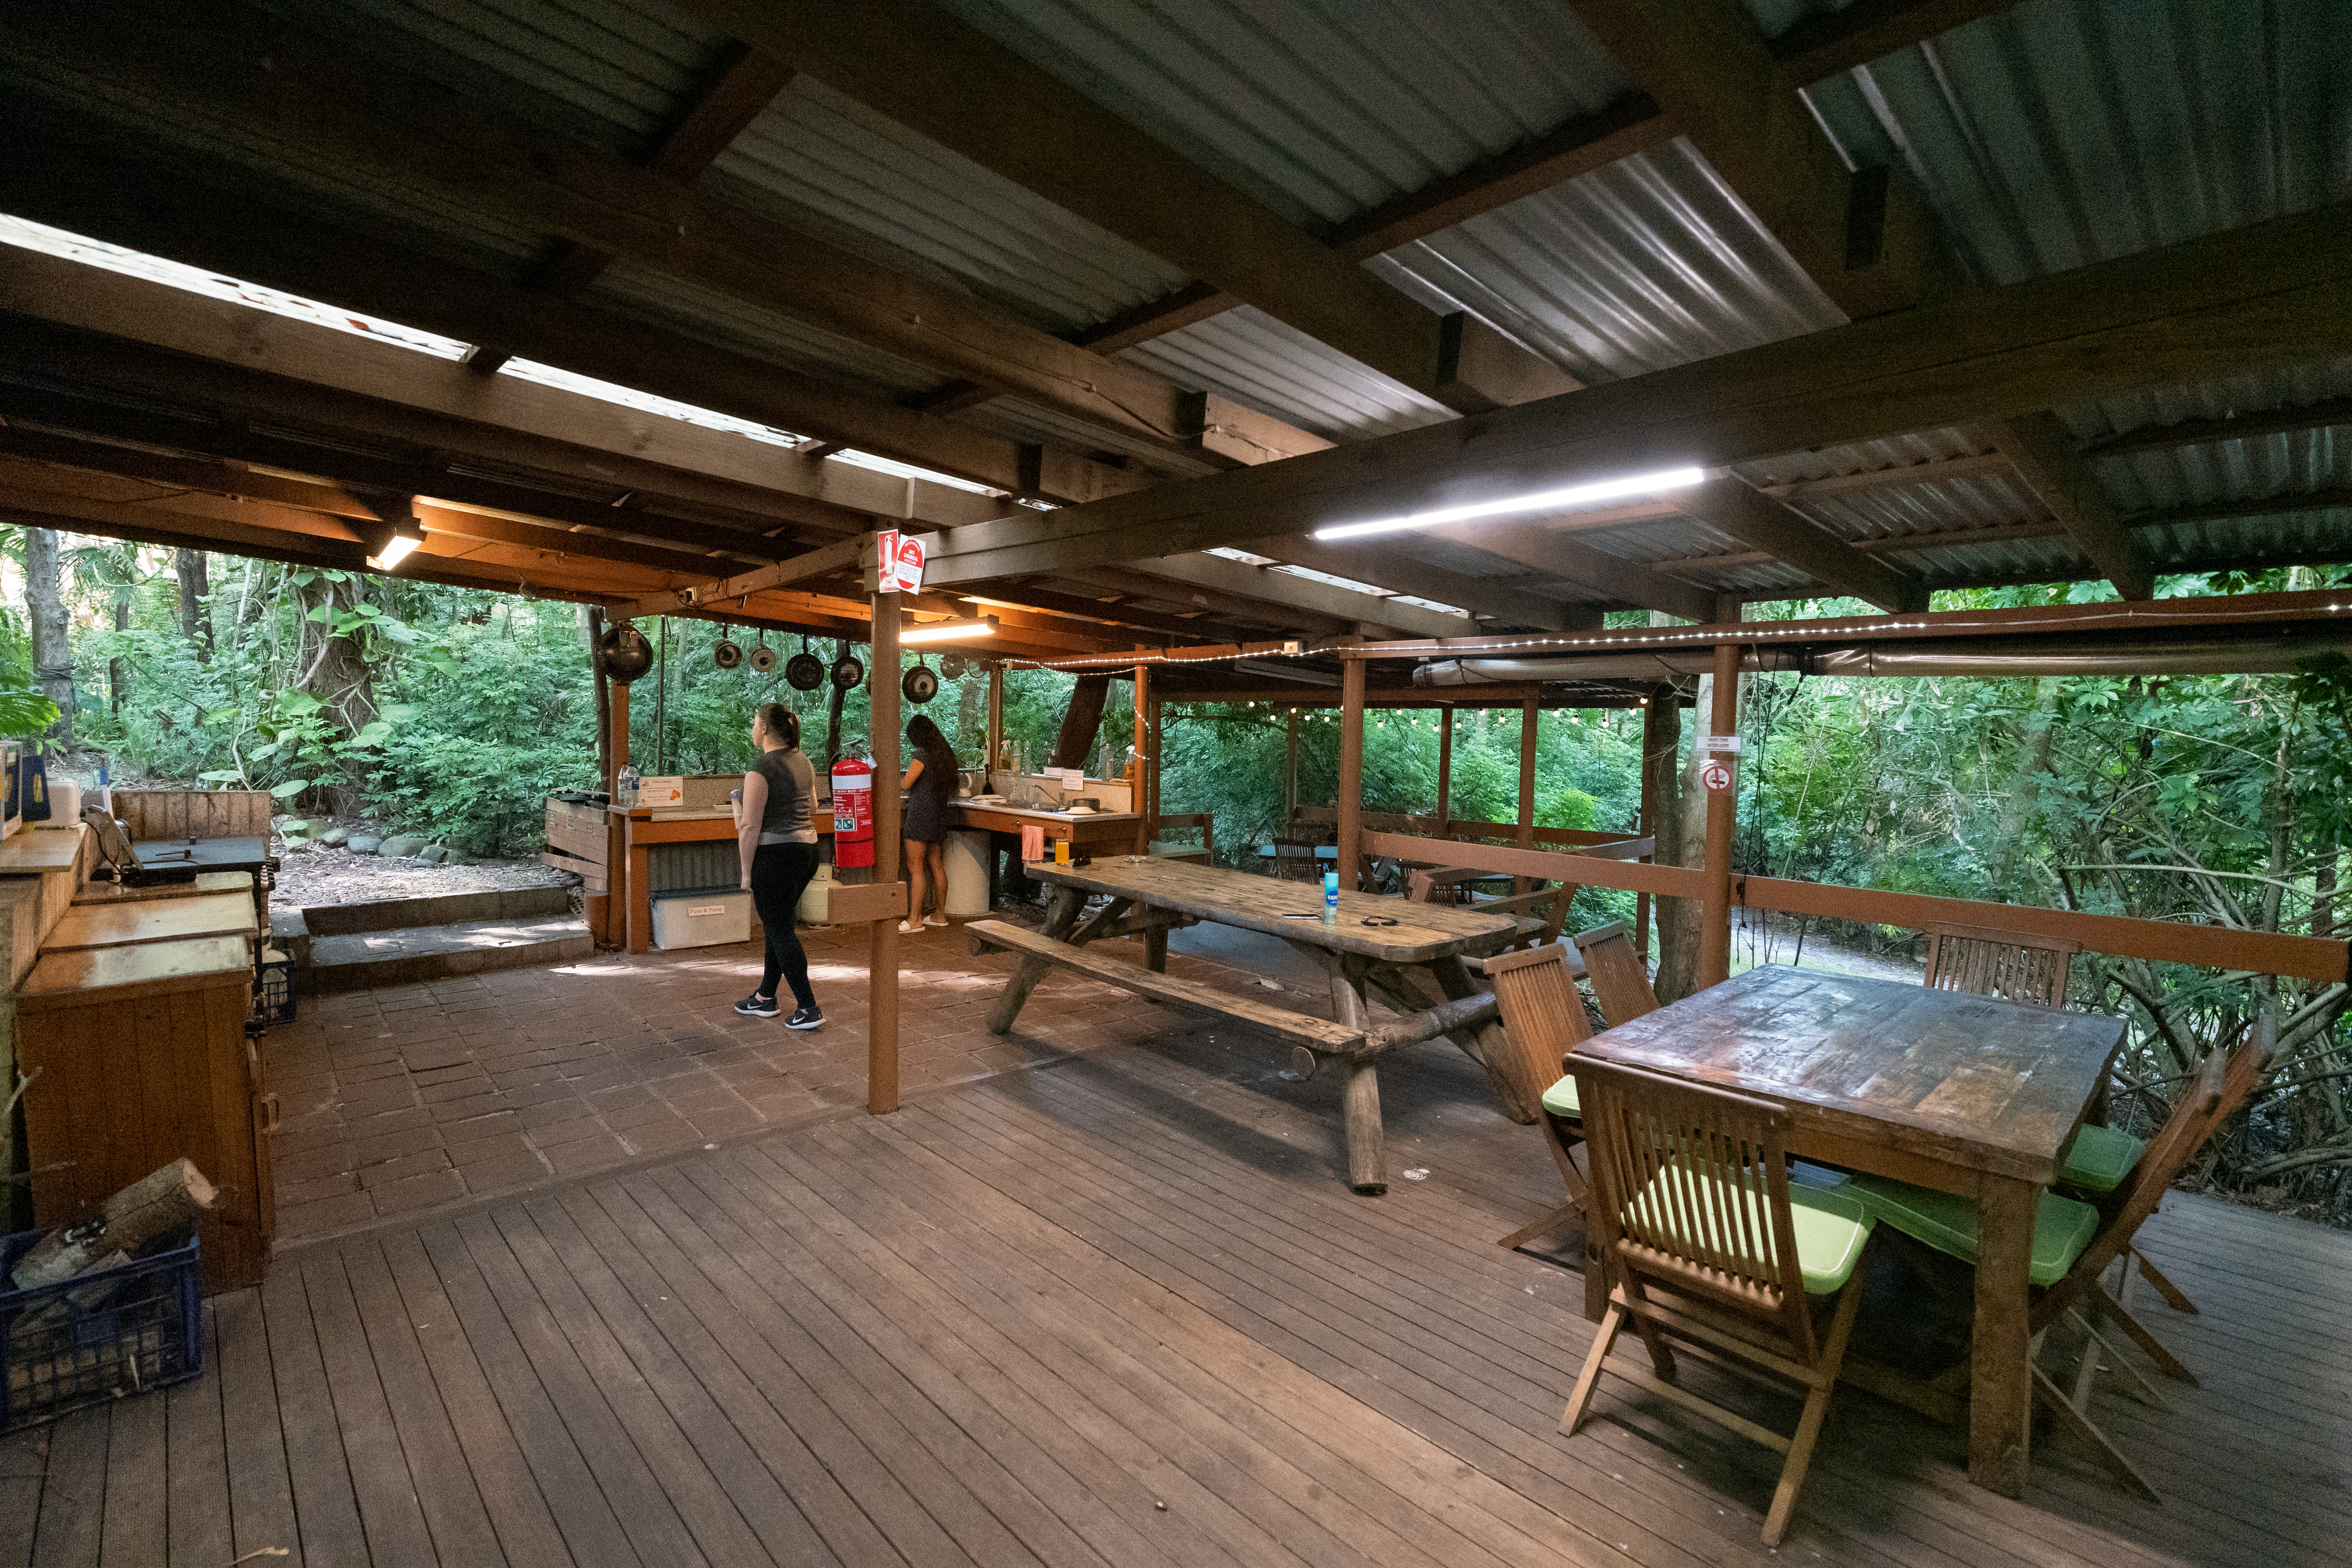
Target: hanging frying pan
(804,672)
(920,686)
(627,654)
(763,657)
(724,653)
(847,673)
(952,665)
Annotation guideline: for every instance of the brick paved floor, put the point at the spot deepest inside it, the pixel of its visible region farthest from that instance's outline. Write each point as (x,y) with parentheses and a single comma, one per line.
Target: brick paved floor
(410,1097)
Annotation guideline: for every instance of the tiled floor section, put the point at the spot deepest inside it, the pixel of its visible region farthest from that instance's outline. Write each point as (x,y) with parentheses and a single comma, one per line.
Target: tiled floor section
(407,1097)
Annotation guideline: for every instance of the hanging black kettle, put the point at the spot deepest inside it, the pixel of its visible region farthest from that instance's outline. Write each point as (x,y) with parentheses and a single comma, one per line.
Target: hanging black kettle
(920,686)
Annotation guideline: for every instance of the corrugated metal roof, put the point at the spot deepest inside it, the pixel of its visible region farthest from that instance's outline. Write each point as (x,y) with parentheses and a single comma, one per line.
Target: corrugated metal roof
(1320,112)
(816,153)
(2067,132)
(1250,357)
(1648,263)
(1029,422)
(632,66)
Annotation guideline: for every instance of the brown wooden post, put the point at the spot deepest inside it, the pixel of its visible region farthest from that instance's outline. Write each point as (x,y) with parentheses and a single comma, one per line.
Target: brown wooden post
(995,724)
(1529,715)
(1445,771)
(617,891)
(1155,737)
(882,974)
(1714,909)
(1351,769)
(1139,790)
(1645,824)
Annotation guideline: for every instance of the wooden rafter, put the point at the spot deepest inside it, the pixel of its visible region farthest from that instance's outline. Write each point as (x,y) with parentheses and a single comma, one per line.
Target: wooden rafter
(1829,42)
(2042,451)
(1219,574)
(930,72)
(1376,560)
(1611,577)
(2279,291)
(2251,426)
(1737,509)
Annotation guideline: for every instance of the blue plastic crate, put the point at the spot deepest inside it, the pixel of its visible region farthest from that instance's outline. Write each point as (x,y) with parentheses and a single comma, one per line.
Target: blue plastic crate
(99,1337)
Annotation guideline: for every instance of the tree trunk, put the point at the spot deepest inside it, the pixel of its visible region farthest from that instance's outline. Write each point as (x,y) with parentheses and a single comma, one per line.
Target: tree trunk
(1081,721)
(45,606)
(195,615)
(971,716)
(2323,888)
(118,679)
(2032,764)
(335,668)
(1661,740)
(592,628)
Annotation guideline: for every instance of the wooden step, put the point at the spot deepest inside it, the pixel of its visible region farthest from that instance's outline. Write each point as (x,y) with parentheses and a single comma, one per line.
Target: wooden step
(1319,1035)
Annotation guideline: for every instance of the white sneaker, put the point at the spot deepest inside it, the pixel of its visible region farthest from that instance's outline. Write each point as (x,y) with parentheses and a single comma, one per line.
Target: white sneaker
(908,928)
(935,920)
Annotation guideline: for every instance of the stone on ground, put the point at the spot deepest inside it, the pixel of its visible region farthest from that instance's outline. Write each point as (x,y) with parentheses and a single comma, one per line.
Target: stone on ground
(401,846)
(362,843)
(335,836)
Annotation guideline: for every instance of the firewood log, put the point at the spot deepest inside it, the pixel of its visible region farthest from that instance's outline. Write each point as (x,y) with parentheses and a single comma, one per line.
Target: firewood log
(155,1205)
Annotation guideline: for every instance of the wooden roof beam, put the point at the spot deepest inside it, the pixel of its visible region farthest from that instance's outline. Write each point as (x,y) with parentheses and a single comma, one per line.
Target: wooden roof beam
(2043,449)
(2271,293)
(935,75)
(1829,42)
(1736,508)
(2251,426)
(1219,574)
(1384,564)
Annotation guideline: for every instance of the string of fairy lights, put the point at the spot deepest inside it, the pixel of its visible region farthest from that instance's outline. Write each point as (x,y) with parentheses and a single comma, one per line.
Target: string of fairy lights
(2078,617)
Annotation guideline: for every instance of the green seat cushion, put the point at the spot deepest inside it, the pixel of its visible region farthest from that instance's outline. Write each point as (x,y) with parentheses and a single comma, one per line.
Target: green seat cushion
(1562,1101)
(2101,1158)
(1947,1222)
(1830,1226)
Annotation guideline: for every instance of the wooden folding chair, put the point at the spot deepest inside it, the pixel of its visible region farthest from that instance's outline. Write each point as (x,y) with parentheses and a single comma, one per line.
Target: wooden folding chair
(1619,983)
(1543,1015)
(1294,861)
(2073,1243)
(1691,1199)
(1984,962)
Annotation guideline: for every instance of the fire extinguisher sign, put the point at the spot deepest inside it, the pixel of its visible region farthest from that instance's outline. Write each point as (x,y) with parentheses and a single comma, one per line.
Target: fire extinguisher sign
(898,563)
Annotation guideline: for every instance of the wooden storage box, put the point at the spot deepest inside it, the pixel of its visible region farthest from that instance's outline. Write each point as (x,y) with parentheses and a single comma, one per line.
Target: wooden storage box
(143,1060)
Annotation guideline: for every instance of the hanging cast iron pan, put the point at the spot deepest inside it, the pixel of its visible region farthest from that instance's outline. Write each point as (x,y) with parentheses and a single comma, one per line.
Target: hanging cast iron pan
(952,665)
(847,673)
(763,657)
(920,686)
(804,672)
(627,654)
(724,653)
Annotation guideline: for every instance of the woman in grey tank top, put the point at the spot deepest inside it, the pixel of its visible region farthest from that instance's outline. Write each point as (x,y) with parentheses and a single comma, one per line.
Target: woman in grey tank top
(777,841)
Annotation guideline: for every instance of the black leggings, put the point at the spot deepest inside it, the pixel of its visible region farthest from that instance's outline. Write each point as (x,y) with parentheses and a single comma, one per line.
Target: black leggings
(780,874)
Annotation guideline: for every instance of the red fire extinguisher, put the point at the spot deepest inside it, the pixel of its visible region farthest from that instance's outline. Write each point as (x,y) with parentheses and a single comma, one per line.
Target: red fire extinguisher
(853,812)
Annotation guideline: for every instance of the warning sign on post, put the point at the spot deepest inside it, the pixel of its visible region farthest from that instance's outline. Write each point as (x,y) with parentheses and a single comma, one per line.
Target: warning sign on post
(1717,776)
(898,567)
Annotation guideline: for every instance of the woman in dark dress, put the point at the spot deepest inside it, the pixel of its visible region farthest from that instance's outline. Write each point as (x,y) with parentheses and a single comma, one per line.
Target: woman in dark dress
(777,842)
(930,785)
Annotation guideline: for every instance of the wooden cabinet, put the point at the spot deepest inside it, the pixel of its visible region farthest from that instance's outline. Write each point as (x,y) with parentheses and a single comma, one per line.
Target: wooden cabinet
(143,1058)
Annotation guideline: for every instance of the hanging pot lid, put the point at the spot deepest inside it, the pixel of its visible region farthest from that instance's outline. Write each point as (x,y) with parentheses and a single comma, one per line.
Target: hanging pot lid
(847,673)
(762,659)
(627,654)
(920,685)
(952,665)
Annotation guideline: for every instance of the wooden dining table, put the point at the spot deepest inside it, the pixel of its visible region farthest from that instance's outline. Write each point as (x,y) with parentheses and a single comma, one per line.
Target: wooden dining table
(1965,1094)
(1410,955)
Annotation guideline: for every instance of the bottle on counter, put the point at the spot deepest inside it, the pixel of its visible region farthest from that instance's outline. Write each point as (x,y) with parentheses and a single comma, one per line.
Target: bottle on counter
(1330,897)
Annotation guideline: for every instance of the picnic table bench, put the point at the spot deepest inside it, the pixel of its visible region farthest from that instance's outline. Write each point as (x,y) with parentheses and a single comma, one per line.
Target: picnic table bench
(1412,956)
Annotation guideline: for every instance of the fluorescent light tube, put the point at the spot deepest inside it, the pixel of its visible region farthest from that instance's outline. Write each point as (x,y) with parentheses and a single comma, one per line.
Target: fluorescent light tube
(951,631)
(1543,501)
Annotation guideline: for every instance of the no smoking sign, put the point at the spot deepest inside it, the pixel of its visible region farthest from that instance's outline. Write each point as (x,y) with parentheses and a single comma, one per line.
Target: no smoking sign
(1717,776)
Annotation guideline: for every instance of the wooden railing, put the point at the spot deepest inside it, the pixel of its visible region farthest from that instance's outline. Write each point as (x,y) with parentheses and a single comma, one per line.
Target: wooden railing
(1455,827)
(2164,941)
(1203,822)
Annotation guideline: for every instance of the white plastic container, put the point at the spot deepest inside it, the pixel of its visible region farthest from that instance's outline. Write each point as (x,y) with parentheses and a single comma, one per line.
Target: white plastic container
(967,858)
(815,908)
(706,918)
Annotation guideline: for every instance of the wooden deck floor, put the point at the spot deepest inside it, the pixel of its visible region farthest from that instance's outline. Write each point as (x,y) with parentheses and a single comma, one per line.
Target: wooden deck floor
(1118,1309)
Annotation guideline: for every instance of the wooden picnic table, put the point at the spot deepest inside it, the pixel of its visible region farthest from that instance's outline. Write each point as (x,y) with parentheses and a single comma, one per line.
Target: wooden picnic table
(1965,1094)
(1410,955)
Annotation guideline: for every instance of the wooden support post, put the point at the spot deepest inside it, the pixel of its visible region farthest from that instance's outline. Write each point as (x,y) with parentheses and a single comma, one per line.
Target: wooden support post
(2000,1383)
(1529,717)
(882,976)
(1714,909)
(1155,738)
(1290,774)
(618,891)
(1351,773)
(1445,771)
(995,725)
(1659,710)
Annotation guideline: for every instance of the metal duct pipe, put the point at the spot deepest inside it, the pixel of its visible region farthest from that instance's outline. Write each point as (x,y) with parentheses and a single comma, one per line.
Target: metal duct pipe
(1988,658)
